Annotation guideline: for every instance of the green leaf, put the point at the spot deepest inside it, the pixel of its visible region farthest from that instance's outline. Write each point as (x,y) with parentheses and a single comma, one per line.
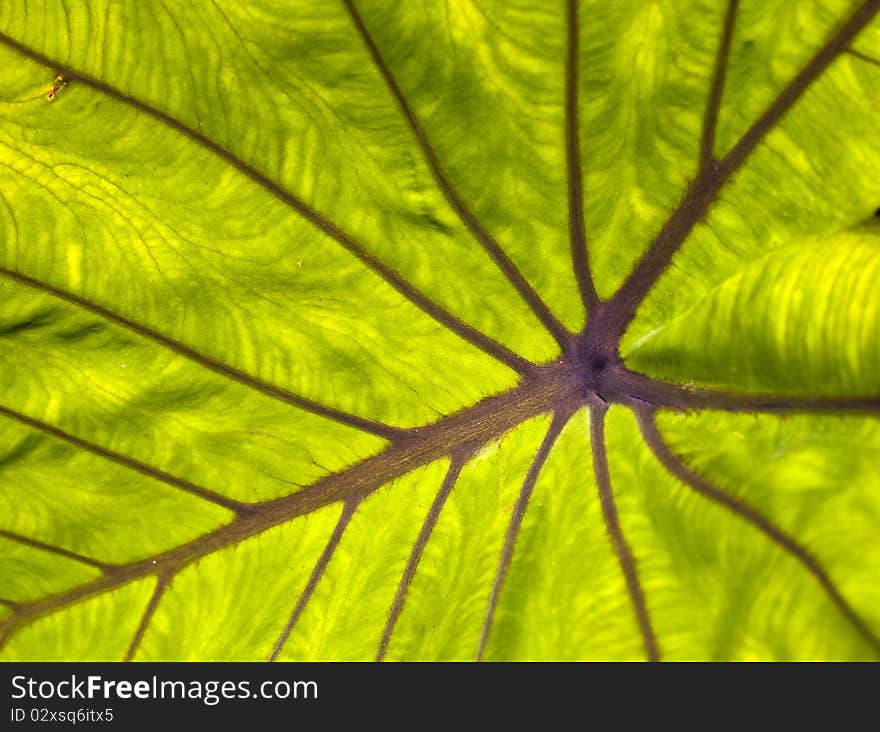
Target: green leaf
(447,330)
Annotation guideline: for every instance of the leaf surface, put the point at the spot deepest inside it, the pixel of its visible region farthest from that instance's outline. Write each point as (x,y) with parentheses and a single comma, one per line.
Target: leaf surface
(433,331)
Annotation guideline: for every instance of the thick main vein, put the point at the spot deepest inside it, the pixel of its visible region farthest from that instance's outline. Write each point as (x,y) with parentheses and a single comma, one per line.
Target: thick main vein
(683,397)
(677,468)
(576,225)
(318,220)
(622,550)
(479,232)
(712,177)
(485,421)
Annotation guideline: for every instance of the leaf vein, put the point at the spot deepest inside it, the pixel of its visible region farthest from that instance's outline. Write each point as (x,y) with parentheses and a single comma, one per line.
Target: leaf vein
(704,190)
(480,233)
(319,221)
(576,225)
(700,485)
(615,533)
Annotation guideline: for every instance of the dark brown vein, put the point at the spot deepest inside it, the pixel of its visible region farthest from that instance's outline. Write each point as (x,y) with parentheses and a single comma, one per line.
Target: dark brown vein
(612,524)
(705,188)
(128,462)
(576,226)
(348,510)
(219,367)
(486,240)
(162,584)
(416,554)
(682,397)
(543,389)
(486,421)
(679,470)
(713,104)
(347,241)
(36,544)
(789,96)
(516,519)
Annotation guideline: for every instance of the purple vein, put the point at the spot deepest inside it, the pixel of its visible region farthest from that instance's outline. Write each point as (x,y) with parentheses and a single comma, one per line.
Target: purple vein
(348,510)
(682,397)
(416,554)
(477,425)
(654,440)
(128,462)
(162,583)
(716,91)
(516,519)
(319,221)
(705,188)
(36,544)
(789,96)
(576,226)
(479,232)
(219,367)
(612,524)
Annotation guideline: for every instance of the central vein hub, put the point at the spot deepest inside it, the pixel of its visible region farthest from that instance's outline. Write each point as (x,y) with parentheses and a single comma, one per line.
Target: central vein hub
(594,371)
(594,366)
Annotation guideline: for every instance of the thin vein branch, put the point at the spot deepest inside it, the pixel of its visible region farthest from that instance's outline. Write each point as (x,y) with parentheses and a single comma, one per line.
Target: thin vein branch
(576,226)
(415,556)
(863,56)
(479,232)
(716,91)
(348,511)
(612,524)
(129,462)
(516,519)
(679,470)
(36,544)
(319,221)
(683,397)
(163,581)
(218,367)
(704,190)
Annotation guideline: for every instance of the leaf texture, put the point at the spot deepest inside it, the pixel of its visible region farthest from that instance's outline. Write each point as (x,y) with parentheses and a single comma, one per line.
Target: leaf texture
(439,331)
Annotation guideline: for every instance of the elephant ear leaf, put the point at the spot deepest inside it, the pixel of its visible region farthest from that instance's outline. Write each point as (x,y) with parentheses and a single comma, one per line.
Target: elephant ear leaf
(439,331)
